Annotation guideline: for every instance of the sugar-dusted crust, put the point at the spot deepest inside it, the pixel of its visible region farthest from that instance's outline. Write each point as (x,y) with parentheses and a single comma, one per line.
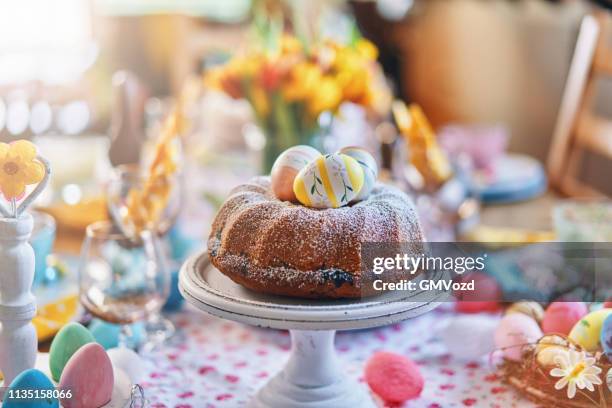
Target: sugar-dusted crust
(282,248)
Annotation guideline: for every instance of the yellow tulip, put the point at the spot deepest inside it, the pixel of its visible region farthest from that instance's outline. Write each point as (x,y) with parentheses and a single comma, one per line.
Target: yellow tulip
(366,49)
(304,78)
(327,96)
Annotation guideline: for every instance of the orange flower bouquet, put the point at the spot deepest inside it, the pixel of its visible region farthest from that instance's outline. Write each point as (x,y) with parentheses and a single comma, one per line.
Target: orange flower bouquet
(292,84)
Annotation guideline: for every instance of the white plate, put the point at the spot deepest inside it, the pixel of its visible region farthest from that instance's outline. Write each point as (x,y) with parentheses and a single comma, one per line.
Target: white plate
(208,289)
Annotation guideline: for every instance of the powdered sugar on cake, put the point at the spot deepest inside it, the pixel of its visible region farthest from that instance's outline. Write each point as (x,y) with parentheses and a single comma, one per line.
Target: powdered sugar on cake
(284,248)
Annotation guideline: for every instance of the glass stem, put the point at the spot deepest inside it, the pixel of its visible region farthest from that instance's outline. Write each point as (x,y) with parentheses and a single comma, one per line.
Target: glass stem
(126,337)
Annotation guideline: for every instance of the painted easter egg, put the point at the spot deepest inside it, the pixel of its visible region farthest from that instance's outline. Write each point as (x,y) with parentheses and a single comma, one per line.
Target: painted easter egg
(329,181)
(605,337)
(549,347)
(476,333)
(561,317)
(107,334)
(129,362)
(393,377)
(89,377)
(369,166)
(531,309)
(587,331)
(514,332)
(287,166)
(68,340)
(30,380)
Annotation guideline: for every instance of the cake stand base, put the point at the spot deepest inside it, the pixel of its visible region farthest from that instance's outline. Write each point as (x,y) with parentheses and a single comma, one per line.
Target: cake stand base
(313,377)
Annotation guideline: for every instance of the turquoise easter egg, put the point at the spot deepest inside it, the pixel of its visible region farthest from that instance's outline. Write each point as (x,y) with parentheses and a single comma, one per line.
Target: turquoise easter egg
(107,334)
(587,331)
(369,166)
(32,382)
(67,341)
(606,336)
(89,378)
(329,181)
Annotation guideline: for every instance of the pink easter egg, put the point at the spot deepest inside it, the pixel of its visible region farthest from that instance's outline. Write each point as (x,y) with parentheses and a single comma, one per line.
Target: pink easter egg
(608,303)
(88,376)
(485,297)
(561,317)
(514,332)
(393,377)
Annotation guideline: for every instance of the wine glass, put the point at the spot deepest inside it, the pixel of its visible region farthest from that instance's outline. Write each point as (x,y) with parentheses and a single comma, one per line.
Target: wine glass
(125,180)
(120,281)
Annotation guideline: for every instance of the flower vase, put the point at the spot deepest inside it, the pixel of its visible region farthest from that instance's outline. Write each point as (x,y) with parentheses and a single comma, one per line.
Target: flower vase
(276,144)
(18,342)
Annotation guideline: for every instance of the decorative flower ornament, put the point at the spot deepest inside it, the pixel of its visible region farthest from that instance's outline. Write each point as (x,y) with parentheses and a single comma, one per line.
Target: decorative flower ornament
(20,166)
(576,369)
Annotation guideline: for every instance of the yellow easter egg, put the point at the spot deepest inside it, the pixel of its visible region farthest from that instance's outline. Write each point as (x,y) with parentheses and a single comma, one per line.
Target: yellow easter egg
(586,332)
(329,181)
(369,166)
(287,166)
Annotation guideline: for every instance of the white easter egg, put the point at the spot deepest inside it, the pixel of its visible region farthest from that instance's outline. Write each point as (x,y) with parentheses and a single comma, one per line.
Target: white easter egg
(129,362)
(329,181)
(122,390)
(287,166)
(369,166)
(470,337)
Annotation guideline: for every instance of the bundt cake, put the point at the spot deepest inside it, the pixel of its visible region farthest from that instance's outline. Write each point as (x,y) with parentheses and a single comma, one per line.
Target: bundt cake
(282,248)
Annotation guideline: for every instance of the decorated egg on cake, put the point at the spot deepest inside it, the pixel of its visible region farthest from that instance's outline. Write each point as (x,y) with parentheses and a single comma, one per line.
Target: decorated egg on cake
(369,166)
(605,338)
(30,381)
(531,309)
(329,181)
(514,332)
(68,340)
(89,377)
(587,331)
(561,317)
(287,166)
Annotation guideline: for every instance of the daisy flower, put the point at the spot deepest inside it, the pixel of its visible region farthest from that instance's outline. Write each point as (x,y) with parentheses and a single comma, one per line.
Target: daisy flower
(576,369)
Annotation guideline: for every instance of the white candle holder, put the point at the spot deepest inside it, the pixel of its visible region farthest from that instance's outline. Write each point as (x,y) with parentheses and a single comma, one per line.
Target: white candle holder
(18,342)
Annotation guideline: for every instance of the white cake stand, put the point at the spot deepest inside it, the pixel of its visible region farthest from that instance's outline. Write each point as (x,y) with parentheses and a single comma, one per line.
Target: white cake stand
(313,376)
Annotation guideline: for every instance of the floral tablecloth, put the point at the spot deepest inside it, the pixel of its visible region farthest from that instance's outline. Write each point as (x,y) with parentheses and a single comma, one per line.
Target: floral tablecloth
(217,363)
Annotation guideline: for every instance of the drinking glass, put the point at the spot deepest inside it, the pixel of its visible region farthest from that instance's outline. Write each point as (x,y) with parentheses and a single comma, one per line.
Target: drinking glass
(124,180)
(120,281)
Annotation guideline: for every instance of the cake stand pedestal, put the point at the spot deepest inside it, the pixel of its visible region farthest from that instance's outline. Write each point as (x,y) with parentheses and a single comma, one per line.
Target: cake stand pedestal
(313,376)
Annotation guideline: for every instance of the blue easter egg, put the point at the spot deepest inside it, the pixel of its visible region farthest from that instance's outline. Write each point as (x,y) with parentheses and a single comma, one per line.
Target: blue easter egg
(37,388)
(107,334)
(606,336)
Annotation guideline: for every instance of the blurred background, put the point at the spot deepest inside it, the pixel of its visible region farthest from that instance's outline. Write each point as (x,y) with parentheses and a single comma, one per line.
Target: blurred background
(91,81)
